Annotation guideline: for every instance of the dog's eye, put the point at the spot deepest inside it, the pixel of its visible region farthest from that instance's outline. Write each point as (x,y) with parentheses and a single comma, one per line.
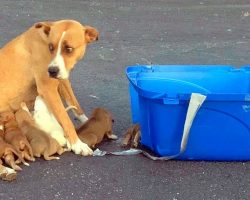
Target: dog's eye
(51,47)
(68,49)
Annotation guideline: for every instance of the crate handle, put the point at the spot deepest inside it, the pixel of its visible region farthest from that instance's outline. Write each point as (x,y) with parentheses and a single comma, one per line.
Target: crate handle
(195,103)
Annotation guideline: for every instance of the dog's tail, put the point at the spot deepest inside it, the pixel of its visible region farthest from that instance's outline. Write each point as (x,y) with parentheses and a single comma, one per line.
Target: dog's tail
(70,108)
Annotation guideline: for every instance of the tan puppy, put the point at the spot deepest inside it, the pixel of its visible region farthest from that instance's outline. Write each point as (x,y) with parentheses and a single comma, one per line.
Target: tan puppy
(41,143)
(38,62)
(99,125)
(9,158)
(132,136)
(7,152)
(14,136)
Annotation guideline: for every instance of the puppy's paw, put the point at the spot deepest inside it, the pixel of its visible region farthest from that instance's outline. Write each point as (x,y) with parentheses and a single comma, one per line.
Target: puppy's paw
(113,137)
(81,148)
(9,170)
(8,174)
(17,168)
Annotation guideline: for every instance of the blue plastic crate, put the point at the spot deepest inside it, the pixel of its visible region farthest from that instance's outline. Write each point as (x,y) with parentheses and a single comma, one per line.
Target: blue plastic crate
(221,129)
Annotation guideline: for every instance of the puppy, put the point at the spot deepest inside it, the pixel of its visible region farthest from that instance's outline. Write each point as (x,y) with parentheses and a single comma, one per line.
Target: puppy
(7,152)
(41,143)
(98,125)
(132,136)
(9,158)
(47,122)
(14,136)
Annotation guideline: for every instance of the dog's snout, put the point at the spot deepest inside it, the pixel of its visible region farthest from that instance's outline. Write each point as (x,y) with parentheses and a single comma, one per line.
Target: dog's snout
(53,71)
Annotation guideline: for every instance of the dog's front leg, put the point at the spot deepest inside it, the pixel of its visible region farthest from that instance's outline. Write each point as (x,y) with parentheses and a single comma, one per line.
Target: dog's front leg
(67,94)
(54,103)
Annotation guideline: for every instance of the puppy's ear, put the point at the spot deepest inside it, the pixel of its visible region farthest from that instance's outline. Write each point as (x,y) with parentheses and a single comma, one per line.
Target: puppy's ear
(43,29)
(91,34)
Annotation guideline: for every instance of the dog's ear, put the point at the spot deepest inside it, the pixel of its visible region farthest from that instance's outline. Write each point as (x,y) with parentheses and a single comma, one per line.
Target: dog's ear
(43,29)
(91,34)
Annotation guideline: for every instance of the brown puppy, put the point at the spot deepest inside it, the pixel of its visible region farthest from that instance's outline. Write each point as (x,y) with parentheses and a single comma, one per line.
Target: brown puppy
(6,151)
(41,143)
(9,158)
(99,125)
(14,136)
(132,136)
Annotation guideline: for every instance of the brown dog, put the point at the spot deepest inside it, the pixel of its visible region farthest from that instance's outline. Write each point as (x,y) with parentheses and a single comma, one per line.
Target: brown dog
(99,125)
(14,136)
(132,136)
(38,62)
(41,143)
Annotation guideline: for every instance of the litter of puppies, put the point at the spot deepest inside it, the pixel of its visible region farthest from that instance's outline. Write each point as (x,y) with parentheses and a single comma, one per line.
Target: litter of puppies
(23,136)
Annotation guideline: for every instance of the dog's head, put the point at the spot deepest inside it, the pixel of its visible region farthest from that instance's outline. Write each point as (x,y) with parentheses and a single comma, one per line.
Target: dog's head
(66,41)
(102,114)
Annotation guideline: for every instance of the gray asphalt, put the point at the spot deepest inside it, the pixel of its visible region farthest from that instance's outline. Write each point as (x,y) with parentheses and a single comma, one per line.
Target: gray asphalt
(134,32)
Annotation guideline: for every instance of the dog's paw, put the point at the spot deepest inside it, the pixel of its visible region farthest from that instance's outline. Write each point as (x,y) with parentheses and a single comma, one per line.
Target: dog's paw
(81,148)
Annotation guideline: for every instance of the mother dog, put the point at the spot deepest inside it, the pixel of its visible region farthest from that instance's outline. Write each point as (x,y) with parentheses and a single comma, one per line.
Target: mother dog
(38,62)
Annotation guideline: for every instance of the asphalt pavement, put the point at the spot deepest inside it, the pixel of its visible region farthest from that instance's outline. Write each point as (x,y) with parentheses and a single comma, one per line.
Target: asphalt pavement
(134,32)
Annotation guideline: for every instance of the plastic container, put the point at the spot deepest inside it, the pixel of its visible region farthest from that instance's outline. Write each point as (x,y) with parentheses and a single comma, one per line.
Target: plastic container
(221,129)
